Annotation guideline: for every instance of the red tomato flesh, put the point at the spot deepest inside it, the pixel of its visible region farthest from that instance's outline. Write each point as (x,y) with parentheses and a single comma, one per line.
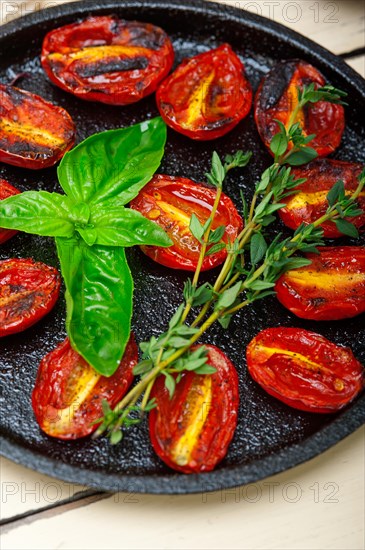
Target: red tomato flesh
(277,96)
(107,59)
(170,202)
(304,369)
(6,190)
(332,287)
(33,132)
(191,432)
(207,95)
(28,291)
(68,393)
(309,202)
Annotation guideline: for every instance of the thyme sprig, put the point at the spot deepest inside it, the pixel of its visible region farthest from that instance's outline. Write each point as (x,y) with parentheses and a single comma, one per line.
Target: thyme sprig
(290,143)
(249,274)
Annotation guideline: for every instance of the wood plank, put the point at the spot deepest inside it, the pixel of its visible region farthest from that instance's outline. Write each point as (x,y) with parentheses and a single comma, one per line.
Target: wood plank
(24,491)
(339,26)
(319,504)
(357,63)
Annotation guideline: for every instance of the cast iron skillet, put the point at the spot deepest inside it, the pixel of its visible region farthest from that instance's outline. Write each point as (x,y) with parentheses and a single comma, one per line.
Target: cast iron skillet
(270,437)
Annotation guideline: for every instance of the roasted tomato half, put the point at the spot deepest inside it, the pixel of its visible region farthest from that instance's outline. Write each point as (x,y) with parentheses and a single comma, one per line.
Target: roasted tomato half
(331,287)
(277,97)
(170,202)
(304,369)
(28,291)
(309,202)
(33,132)
(191,432)
(68,393)
(6,190)
(107,59)
(207,95)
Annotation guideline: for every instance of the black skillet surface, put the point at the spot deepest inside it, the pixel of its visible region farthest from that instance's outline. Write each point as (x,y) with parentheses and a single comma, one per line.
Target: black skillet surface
(270,436)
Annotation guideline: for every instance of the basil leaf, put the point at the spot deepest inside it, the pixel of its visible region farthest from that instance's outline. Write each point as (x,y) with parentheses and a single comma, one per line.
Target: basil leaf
(37,212)
(113,163)
(121,226)
(99,289)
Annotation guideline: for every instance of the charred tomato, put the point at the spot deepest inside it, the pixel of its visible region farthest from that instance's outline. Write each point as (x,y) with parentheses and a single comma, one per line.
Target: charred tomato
(304,369)
(107,59)
(170,201)
(28,291)
(309,202)
(68,393)
(332,287)
(6,190)
(191,431)
(207,95)
(33,132)
(277,96)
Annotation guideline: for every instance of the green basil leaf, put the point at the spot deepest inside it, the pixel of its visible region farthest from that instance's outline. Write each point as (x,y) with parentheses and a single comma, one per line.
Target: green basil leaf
(37,212)
(99,290)
(113,163)
(119,226)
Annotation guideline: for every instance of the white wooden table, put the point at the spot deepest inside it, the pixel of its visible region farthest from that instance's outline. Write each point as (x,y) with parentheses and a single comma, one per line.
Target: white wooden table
(317,505)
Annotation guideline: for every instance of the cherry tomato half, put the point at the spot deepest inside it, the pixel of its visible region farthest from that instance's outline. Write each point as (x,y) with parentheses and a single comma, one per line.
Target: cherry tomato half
(170,202)
(28,291)
(107,59)
(277,97)
(304,369)
(68,393)
(309,201)
(6,190)
(207,95)
(332,287)
(191,432)
(33,132)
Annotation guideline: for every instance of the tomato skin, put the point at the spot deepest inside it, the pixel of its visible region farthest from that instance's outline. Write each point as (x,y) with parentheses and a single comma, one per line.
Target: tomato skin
(68,393)
(331,288)
(203,410)
(309,201)
(277,96)
(304,370)
(34,133)
(207,95)
(6,190)
(107,59)
(184,197)
(28,291)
